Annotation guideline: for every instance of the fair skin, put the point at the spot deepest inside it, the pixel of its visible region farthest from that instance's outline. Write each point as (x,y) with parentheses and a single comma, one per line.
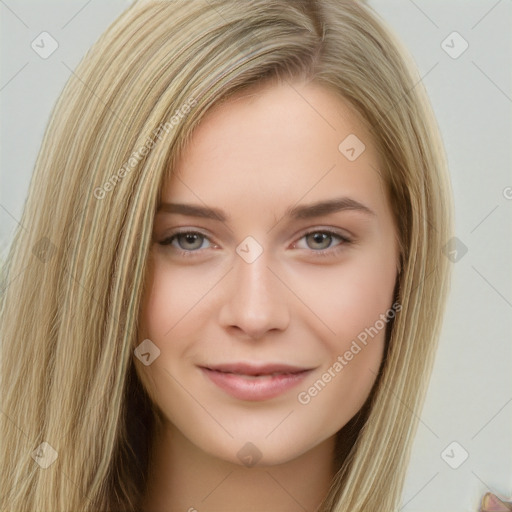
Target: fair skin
(301,302)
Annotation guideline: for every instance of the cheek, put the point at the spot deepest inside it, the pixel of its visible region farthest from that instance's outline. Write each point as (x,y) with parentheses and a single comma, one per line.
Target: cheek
(352,302)
(174,307)
(349,298)
(171,298)
(354,309)
(160,315)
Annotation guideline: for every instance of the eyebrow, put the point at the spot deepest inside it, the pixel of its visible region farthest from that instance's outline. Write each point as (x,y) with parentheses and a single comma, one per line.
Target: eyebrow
(296,212)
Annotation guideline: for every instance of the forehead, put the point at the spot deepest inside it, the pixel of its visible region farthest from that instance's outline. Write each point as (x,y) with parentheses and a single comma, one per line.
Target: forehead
(278,142)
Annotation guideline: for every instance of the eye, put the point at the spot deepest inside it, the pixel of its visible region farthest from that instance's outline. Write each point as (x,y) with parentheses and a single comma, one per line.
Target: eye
(322,241)
(187,241)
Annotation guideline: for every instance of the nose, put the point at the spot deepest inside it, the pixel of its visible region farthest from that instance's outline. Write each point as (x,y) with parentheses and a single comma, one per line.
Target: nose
(255,301)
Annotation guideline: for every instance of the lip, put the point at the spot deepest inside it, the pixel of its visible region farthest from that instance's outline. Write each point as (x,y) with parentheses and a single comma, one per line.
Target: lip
(255,382)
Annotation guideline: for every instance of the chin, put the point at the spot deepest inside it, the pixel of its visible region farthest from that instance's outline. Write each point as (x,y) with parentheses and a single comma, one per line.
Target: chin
(261,452)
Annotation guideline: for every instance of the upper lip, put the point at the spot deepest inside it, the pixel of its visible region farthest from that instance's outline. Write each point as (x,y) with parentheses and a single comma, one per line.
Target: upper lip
(256,369)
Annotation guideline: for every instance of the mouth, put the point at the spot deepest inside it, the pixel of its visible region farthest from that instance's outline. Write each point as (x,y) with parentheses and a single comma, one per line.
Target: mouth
(255,382)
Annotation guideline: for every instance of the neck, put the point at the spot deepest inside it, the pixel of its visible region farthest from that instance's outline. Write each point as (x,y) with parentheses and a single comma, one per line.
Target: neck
(184,478)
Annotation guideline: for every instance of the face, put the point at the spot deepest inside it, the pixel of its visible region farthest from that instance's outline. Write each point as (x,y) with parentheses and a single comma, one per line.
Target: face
(271,276)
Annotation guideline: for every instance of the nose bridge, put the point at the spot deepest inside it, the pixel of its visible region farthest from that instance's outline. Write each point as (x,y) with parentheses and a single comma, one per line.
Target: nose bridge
(253,279)
(255,301)
(251,268)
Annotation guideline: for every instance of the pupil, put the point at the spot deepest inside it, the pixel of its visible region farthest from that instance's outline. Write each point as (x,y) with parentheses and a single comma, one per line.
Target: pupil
(192,239)
(321,238)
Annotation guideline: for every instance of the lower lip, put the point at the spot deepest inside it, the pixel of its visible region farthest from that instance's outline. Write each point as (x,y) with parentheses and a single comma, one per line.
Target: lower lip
(255,388)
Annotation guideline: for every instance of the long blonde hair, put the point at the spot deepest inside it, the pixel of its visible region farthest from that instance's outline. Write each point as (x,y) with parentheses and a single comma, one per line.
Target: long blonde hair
(75,274)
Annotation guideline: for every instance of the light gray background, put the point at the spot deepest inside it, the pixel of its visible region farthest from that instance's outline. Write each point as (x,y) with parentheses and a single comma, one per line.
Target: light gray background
(470,396)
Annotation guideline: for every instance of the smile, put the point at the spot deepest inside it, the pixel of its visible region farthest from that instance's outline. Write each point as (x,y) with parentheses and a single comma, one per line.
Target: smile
(255,383)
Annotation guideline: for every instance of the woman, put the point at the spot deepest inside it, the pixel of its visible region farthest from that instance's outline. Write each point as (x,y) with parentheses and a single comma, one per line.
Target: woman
(190,326)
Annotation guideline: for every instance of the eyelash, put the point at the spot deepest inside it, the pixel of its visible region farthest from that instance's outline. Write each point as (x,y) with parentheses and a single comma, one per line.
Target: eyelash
(320,253)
